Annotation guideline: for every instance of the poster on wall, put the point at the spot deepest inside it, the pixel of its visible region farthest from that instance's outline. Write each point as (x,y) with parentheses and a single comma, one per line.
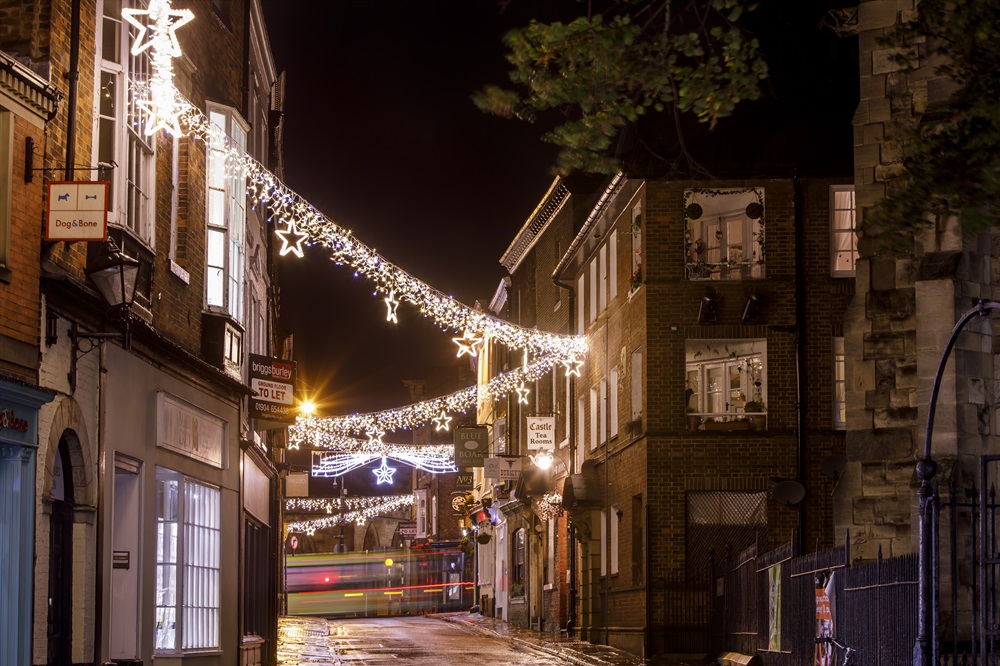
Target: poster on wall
(824,623)
(774,608)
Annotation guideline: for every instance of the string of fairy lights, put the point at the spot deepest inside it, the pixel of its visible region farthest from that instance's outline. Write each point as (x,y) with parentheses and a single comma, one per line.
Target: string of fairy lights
(298,224)
(435,459)
(356,510)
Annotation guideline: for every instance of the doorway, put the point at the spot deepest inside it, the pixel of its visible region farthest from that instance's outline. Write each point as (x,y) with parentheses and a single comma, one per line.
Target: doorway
(60,610)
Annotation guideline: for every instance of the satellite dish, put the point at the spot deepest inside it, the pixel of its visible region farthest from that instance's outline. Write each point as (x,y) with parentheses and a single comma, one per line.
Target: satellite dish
(789,492)
(834,465)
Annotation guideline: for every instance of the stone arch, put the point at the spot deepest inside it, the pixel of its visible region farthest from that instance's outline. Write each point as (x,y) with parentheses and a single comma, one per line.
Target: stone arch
(69,421)
(371,537)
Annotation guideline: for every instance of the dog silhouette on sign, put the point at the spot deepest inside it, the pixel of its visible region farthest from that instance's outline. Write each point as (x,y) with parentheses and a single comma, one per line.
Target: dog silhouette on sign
(64,197)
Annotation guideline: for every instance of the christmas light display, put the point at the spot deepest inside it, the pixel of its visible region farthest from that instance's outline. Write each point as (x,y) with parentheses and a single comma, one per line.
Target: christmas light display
(384,473)
(161,101)
(317,430)
(441,421)
(374,506)
(436,459)
(391,303)
(298,224)
(522,394)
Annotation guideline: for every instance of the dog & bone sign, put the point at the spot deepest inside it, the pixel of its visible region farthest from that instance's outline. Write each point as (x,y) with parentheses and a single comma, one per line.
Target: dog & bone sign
(77,211)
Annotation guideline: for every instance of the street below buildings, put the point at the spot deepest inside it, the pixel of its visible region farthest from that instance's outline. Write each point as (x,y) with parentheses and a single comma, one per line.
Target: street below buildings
(440,639)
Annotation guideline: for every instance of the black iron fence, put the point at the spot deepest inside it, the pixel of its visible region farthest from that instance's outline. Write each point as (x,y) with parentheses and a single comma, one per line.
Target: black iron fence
(816,609)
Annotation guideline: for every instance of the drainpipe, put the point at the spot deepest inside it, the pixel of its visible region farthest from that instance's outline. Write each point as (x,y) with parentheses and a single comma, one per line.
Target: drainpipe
(571,436)
(800,342)
(73,75)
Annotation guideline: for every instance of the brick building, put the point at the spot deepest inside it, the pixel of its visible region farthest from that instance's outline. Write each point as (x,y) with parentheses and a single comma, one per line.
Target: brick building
(27,103)
(147,442)
(708,403)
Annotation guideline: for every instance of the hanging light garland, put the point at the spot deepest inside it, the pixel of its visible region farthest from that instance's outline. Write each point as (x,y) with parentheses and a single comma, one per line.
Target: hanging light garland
(305,225)
(376,506)
(435,459)
(317,430)
(331,504)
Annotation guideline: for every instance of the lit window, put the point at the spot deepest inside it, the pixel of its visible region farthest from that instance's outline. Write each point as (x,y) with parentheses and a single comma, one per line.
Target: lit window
(615,519)
(636,372)
(518,569)
(580,284)
(226,219)
(602,417)
(121,138)
(839,385)
(724,236)
(602,284)
(613,265)
(726,380)
(635,277)
(594,287)
(843,230)
(188,529)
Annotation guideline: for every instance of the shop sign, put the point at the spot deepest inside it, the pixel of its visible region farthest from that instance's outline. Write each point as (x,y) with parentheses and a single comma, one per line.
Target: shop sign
(472,445)
(77,211)
(541,433)
(10,421)
(502,469)
(273,382)
(464,479)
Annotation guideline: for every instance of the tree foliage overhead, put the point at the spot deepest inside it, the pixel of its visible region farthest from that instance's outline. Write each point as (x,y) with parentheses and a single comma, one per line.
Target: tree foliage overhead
(951,156)
(602,71)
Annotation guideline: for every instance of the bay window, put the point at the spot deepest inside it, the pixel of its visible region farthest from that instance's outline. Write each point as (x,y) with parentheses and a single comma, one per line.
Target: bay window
(120,123)
(226,215)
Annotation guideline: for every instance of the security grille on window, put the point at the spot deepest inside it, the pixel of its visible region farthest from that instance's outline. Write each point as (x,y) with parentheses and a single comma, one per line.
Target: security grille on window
(839,385)
(226,228)
(121,139)
(719,523)
(187,593)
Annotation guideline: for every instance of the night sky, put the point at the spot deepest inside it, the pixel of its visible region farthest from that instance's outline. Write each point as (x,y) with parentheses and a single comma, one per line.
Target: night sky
(380,134)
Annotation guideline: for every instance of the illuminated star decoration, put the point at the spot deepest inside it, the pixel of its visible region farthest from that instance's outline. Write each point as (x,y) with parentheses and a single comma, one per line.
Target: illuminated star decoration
(391,303)
(161,103)
(375,437)
(441,422)
(384,473)
(572,366)
(293,246)
(467,343)
(522,394)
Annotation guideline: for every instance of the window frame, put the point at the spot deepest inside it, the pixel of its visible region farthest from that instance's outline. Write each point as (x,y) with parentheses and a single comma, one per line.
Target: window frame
(837,230)
(231,230)
(186,572)
(746,357)
(839,412)
(132,193)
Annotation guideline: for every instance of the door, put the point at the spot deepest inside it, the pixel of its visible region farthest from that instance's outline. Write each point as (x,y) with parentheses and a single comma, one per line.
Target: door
(60,610)
(124,615)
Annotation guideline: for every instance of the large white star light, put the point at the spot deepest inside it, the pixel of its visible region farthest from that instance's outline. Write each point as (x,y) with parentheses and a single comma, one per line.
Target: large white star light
(468,343)
(522,394)
(391,303)
(573,366)
(384,473)
(441,421)
(288,245)
(161,103)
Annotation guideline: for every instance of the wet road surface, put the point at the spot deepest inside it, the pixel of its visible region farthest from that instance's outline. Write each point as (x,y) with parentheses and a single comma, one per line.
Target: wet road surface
(420,641)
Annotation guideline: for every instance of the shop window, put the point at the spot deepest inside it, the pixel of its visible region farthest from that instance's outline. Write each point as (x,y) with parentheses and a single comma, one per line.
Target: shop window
(187,593)
(519,564)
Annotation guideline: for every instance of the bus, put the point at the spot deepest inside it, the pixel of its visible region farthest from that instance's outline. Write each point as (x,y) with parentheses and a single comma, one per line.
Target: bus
(379,583)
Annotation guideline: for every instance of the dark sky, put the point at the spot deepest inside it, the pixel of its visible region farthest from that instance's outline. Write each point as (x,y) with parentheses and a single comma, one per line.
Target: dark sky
(380,135)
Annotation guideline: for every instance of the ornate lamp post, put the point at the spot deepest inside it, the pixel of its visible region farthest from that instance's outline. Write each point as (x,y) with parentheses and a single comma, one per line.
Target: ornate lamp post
(923,651)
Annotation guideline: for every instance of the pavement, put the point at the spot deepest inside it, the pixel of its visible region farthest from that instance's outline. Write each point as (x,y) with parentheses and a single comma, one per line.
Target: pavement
(572,650)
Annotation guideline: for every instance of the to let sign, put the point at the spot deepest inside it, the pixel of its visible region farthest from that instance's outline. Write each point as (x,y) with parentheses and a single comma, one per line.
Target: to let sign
(77,211)
(541,433)
(273,382)
(471,446)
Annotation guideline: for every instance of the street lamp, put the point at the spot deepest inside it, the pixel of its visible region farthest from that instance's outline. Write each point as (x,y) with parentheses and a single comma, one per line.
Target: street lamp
(116,275)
